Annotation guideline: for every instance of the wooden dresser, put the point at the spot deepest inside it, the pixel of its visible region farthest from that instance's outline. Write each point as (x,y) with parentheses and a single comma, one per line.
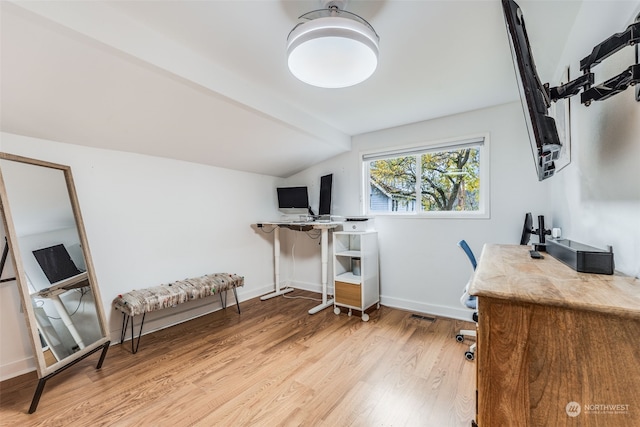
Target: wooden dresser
(555,347)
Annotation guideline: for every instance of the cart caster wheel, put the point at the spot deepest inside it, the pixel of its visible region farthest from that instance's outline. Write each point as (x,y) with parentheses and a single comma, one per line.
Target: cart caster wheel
(469,355)
(365,317)
(349,312)
(460,338)
(336,310)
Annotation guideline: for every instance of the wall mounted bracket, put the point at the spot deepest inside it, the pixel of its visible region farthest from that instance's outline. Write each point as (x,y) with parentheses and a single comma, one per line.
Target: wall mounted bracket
(612,86)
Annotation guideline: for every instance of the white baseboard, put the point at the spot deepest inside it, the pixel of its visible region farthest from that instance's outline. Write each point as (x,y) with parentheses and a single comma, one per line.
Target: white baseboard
(424,308)
(17,368)
(453,312)
(312,287)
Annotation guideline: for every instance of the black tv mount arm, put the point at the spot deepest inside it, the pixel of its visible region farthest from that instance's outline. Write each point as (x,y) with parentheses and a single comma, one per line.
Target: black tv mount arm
(616,84)
(541,232)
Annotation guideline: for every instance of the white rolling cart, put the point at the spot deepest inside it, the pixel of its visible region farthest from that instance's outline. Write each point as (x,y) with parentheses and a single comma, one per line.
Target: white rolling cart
(355,267)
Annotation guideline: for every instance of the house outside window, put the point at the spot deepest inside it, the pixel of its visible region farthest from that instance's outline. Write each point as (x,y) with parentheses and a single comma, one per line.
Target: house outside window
(453,179)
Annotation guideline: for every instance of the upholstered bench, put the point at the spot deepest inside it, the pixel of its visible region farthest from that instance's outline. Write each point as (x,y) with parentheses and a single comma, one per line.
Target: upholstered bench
(155,298)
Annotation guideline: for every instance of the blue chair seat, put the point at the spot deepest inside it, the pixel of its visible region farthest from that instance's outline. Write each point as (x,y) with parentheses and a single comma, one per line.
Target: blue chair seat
(471,302)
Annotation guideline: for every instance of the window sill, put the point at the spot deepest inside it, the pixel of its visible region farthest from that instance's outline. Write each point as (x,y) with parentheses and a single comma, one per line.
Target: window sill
(432,215)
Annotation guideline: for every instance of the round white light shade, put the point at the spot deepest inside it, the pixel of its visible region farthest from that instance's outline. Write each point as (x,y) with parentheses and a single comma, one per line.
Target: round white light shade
(332,52)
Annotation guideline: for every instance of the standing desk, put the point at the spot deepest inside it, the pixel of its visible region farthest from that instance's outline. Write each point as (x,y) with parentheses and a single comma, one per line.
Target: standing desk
(324,228)
(54,292)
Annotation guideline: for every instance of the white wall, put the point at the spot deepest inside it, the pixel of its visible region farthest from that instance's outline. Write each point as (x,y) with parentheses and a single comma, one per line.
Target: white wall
(421,267)
(15,345)
(596,199)
(150,221)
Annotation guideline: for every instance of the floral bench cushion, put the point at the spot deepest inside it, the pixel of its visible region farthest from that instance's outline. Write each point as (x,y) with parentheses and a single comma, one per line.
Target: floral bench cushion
(158,297)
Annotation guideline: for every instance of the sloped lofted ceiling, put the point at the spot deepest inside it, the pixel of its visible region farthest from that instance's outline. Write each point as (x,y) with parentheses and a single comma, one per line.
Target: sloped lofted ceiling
(207,82)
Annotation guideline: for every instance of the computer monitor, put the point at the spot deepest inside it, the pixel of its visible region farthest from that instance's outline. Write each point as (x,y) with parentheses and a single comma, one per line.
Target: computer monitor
(56,263)
(324,207)
(527,229)
(293,200)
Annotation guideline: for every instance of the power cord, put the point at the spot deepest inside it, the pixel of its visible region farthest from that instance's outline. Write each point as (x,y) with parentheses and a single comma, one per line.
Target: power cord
(301,297)
(82,294)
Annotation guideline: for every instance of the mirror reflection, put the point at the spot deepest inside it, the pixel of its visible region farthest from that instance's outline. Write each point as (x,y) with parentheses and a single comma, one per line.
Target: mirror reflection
(53,259)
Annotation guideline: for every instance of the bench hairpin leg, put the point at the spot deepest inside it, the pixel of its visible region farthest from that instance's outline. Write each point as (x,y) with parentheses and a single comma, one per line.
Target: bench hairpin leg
(223,302)
(235,293)
(125,322)
(134,351)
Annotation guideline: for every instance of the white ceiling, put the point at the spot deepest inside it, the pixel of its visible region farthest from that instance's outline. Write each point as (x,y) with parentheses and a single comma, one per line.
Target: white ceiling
(206,81)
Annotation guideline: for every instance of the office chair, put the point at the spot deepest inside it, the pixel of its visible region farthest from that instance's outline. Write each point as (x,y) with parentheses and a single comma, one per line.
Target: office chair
(469,301)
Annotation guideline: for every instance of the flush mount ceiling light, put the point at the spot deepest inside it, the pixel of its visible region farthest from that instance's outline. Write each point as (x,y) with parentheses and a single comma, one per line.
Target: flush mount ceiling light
(332,48)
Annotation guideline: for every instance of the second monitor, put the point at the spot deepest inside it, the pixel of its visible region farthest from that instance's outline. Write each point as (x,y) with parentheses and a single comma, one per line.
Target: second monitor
(324,208)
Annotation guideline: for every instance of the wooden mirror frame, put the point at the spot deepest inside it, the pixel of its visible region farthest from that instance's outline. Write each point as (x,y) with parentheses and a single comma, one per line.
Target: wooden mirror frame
(45,372)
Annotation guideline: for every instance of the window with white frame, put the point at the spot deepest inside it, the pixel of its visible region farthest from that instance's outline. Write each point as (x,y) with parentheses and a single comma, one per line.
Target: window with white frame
(444,179)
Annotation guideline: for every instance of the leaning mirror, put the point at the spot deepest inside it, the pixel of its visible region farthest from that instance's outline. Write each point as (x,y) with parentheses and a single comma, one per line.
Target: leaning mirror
(54,271)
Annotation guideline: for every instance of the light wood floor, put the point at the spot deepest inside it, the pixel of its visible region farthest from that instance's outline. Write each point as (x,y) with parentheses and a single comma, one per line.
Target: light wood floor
(273,365)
